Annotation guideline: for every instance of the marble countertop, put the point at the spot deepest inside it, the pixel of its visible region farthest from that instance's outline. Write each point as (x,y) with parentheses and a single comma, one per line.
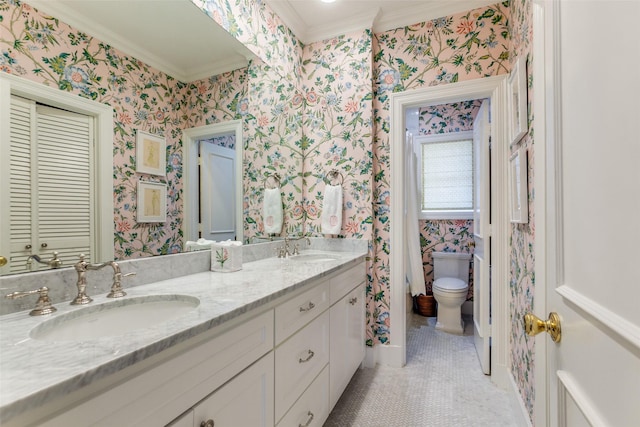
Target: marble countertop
(34,372)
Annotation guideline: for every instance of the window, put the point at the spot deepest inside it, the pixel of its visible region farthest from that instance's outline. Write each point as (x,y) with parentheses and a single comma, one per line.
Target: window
(446,175)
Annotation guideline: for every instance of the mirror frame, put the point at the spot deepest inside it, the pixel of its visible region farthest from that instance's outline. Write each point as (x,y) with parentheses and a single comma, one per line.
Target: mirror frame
(190,138)
(104,226)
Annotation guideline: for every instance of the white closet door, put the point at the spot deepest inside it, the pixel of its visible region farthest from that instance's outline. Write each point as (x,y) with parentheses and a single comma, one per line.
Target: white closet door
(64,182)
(21,129)
(50,186)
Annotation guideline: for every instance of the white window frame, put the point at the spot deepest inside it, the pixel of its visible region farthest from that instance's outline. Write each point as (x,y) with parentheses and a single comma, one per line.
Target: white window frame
(418,141)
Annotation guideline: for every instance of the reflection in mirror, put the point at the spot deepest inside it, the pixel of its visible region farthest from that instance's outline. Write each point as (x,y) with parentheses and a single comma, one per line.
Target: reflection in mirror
(148,98)
(212,162)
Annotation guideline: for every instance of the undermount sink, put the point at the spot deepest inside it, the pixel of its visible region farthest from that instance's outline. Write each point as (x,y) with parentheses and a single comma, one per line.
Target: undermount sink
(313,257)
(114,318)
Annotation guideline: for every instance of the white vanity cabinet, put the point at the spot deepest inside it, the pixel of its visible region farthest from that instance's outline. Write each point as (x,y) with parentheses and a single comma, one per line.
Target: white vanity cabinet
(284,363)
(347,329)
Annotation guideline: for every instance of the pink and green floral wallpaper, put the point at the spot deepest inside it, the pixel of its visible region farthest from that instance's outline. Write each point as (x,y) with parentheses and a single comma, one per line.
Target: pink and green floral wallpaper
(454,48)
(454,117)
(306,110)
(522,284)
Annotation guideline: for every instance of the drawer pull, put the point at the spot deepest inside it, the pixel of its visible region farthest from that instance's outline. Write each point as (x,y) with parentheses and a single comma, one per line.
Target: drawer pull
(307,308)
(208,423)
(310,415)
(309,357)
(353,300)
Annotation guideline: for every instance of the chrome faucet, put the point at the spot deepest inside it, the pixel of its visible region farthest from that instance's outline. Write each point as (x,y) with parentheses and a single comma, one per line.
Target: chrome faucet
(54,262)
(284,252)
(83,266)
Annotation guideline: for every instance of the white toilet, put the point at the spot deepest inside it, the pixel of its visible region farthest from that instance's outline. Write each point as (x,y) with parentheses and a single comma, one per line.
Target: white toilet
(450,287)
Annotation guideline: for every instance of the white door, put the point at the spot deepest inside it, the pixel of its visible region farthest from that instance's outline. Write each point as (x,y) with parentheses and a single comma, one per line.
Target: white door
(217,192)
(592,203)
(482,238)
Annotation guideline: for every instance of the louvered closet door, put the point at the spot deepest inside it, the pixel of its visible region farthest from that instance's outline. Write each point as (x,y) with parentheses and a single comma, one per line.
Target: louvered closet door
(51,201)
(22,113)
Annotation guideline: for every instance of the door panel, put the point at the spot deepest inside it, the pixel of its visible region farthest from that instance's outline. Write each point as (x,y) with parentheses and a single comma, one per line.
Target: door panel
(592,278)
(217,192)
(482,238)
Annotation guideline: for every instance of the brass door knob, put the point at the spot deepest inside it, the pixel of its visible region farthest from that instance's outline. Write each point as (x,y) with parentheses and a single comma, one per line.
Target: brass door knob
(3,261)
(533,325)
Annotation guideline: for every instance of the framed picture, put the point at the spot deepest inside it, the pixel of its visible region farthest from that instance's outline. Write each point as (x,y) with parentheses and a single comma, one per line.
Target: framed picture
(152,202)
(150,154)
(517,91)
(518,186)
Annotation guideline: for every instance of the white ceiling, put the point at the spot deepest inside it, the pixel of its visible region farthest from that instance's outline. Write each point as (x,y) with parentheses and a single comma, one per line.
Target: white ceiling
(176,37)
(313,20)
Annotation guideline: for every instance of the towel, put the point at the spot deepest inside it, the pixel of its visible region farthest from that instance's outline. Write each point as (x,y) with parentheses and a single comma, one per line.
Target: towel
(272,211)
(199,245)
(332,210)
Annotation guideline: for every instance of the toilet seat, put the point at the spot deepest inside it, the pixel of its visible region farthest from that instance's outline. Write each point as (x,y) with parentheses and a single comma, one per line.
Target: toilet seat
(450,284)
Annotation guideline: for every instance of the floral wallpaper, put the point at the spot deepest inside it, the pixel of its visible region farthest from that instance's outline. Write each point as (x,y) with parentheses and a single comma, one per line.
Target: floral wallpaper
(522,284)
(338,118)
(459,47)
(273,135)
(455,117)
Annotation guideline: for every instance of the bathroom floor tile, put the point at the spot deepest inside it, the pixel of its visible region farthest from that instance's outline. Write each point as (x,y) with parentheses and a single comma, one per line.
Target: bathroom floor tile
(441,385)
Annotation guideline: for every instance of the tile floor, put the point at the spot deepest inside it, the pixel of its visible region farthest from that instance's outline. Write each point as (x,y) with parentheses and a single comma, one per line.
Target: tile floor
(441,385)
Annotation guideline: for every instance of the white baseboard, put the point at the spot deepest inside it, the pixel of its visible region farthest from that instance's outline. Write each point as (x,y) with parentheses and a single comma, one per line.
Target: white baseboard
(389,355)
(517,406)
(370,357)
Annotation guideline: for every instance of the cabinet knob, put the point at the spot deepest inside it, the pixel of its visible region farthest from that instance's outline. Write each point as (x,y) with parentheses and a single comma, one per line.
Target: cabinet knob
(208,423)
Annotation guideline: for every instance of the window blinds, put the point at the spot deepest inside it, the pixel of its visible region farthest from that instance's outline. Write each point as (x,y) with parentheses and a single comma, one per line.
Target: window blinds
(447,175)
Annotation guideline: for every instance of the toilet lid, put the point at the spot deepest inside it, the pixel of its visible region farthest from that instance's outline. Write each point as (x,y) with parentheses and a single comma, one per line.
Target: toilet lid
(450,284)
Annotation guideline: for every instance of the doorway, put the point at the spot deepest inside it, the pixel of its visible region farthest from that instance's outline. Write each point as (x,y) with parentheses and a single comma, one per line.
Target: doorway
(190,140)
(493,88)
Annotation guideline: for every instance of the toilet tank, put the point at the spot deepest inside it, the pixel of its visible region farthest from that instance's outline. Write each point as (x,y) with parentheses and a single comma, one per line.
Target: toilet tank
(451,264)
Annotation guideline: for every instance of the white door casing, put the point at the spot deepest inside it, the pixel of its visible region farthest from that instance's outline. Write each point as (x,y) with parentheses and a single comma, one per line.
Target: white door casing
(587,272)
(217,192)
(494,88)
(482,238)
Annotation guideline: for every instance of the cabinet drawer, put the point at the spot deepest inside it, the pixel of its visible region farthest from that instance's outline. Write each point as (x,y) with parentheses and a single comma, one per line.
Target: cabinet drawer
(246,400)
(312,409)
(155,396)
(341,284)
(299,360)
(298,311)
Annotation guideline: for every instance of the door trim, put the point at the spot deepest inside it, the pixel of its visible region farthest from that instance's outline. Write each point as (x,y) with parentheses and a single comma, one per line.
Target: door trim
(190,138)
(489,87)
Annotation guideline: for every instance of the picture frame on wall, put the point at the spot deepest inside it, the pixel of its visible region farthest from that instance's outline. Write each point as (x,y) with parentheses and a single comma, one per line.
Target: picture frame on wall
(152,202)
(517,101)
(151,155)
(519,206)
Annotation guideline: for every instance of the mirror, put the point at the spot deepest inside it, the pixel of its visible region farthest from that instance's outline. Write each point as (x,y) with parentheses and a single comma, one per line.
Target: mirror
(144,98)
